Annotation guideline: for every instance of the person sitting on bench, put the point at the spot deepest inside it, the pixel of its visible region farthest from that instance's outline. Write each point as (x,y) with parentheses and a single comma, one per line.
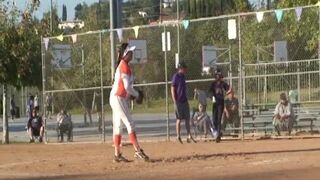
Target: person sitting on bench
(231,111)
(64,125)
(283,115)
(201,121)
(35,126)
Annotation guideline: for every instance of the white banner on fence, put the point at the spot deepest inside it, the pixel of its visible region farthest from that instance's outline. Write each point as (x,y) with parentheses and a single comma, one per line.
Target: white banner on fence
(232,29)
(177,60)
(166,43)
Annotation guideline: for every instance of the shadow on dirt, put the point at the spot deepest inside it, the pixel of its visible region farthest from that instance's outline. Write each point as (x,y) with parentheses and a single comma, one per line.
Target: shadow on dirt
(226,155)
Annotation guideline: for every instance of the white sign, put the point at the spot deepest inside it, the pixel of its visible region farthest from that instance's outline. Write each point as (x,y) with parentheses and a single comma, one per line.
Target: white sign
(166,43)
(140,53)
(61,56)
(177,60)
(280,51)
(232,29)
(209,56)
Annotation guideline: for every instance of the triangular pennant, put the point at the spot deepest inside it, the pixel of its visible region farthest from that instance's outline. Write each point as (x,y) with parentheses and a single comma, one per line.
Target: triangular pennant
(298,11)
(60,37)
(74,38)
(185,24)
(136,31)
(279,14)
(46,42)
(259,16)
(119,32)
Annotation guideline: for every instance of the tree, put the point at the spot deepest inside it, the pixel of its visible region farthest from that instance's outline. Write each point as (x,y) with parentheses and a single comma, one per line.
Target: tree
(64,12)
(20,53)
(204,8)
(78,10)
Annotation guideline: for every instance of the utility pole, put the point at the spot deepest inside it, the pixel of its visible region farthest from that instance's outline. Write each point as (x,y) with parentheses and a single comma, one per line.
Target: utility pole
(160,15)
(115,22)
(178,29)
(112,46)
(51,17)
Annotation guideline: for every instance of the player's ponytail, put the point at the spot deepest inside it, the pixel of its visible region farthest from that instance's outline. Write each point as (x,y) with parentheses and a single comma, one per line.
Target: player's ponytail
(121,50)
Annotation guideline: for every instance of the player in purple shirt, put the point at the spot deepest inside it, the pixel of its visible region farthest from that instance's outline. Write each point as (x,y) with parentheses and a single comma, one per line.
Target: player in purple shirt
(218,89)
(181,105)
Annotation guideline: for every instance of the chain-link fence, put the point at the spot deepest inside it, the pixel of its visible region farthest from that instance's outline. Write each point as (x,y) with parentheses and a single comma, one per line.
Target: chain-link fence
(78,67)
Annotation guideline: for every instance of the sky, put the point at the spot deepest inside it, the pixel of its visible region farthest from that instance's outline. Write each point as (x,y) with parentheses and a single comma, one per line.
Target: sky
(70,4)
(45,6)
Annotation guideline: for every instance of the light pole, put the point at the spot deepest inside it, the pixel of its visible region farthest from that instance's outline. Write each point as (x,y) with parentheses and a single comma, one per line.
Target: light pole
(112,45)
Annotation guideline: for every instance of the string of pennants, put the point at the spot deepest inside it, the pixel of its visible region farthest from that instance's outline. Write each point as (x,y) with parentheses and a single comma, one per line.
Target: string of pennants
(185,24)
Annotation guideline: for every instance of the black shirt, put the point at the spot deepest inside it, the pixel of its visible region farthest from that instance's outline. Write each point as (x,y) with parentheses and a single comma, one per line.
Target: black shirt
(35,122)
(218,90)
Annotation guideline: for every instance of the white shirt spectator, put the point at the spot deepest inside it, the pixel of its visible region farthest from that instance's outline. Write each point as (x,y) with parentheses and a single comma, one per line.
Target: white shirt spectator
(282,109)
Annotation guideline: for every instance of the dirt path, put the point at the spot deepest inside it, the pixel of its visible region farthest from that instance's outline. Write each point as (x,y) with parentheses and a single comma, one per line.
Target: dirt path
(263,159)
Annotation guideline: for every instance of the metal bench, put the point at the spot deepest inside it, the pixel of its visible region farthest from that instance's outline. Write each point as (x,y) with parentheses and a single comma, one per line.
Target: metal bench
(309,120)
(259,122)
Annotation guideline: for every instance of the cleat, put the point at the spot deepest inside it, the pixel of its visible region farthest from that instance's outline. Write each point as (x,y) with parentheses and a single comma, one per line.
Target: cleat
(180,141)
(120,158)
(218,139)
(141,155)
(191,139)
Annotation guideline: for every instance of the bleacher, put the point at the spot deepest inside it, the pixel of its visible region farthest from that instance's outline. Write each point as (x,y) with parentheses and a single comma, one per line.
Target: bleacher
(258,119)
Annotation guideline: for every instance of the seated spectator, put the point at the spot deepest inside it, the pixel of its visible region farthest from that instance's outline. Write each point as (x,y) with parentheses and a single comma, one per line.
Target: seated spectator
(231,112)
(283,115)
(35,127)
(64,125)
(201,121)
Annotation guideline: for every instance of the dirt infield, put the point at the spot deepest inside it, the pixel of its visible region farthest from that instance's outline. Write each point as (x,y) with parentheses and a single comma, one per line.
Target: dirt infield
(258,159)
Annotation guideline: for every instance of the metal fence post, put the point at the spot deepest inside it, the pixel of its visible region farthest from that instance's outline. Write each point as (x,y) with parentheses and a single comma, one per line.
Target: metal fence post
(240,79)
(309,82)
(167,84)
(101,89)
(230,66)
(265,85)
(298,83)
(44,89)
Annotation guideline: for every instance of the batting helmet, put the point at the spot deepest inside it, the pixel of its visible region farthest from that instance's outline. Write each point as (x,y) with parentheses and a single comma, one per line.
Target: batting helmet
(218,72)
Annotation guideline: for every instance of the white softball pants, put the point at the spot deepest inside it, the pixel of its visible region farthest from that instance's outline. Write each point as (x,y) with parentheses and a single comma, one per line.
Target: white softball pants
(121,115)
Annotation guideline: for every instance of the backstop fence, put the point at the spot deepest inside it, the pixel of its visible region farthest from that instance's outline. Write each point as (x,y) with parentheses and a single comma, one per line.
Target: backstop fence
(270,53)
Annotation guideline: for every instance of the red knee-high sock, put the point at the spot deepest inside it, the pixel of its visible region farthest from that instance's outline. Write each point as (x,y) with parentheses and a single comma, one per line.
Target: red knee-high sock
(133,138)
(117,141)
